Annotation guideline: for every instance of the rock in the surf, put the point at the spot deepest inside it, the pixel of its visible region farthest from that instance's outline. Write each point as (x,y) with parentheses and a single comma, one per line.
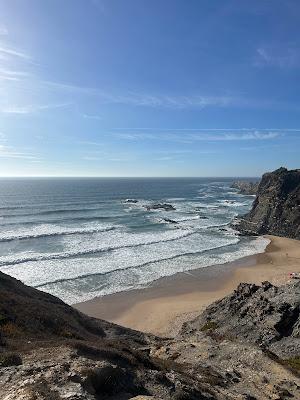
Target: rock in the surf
(170,221)
(160,206)
(134,201)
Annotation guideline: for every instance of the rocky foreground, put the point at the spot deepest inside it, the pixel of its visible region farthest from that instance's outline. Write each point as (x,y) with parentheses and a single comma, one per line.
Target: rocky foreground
(245,346)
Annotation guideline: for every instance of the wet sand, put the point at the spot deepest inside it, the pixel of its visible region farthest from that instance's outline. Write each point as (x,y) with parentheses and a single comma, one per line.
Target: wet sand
(165,305)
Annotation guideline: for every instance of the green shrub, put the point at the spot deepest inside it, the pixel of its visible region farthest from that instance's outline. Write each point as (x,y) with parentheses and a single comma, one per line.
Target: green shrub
(10,359)
(293,363)
(210,325)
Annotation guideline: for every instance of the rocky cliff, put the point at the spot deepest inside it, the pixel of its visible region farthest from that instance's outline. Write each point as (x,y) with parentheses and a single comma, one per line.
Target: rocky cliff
(244,347)
(266,315)
(276,209)
(245,187)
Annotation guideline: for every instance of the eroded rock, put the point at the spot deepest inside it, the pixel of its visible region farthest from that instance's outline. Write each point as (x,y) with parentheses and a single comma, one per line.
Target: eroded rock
(276,208)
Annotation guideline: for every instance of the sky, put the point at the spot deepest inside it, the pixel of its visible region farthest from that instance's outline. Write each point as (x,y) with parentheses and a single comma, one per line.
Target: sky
(149,87)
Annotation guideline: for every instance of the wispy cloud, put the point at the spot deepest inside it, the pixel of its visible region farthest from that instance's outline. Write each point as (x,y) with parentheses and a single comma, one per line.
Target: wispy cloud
(212,129)
(14,73)
(3,30)
(120,159)
(107,157)
(261,147)
(90,143)
(256,135)
(11,75)
(164,100)
(166,158)
(25,82)
(7,51)
(284,56)
(31,82)
(92,116)
(2,137)
(92,158)
(143,99)
(9,152)
(30,109)
(137,136)
(189,137)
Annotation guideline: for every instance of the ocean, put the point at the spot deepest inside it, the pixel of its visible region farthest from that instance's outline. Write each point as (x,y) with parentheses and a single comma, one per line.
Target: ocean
(78,238)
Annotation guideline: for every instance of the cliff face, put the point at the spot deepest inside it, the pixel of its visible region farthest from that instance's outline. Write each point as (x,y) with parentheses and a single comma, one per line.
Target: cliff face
(276,209)
(266,315)
(245,187)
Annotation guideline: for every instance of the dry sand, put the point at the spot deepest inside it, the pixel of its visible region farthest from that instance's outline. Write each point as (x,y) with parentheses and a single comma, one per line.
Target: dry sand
(167,303)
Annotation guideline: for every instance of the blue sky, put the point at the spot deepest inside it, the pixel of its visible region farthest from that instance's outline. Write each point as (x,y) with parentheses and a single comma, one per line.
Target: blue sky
(149,87)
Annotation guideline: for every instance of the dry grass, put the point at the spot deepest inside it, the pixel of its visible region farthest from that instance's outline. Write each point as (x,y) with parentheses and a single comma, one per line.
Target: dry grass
(10,330)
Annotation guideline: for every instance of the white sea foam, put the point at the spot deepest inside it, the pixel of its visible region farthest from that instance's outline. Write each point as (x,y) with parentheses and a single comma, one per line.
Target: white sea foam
(97,243)
(42,272)
(124,279)
(46,230)
(176,199)
(232,203)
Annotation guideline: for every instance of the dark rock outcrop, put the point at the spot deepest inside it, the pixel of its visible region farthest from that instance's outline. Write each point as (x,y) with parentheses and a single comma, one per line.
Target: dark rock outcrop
(245,187)
(161,206)
(170,221)
(251,337)
(276,208)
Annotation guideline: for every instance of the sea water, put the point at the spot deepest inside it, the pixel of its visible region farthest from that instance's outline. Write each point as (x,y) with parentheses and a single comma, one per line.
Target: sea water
(78,238)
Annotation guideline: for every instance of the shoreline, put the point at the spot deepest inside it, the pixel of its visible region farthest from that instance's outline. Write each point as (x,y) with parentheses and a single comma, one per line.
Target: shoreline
(164,306)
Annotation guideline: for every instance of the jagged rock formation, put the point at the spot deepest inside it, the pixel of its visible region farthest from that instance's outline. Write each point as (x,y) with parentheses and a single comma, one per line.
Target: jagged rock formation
(251,337)
(266,315)
(245,187)
(48,350)
(276,209)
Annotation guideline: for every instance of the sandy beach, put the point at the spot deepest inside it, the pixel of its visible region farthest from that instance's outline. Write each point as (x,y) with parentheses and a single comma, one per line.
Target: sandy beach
(167,303)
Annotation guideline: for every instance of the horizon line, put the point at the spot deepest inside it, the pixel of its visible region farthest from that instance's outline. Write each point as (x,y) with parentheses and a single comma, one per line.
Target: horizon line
(122,177)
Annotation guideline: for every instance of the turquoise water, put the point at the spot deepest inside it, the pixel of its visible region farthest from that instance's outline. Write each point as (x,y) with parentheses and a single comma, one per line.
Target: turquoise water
(79,238)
